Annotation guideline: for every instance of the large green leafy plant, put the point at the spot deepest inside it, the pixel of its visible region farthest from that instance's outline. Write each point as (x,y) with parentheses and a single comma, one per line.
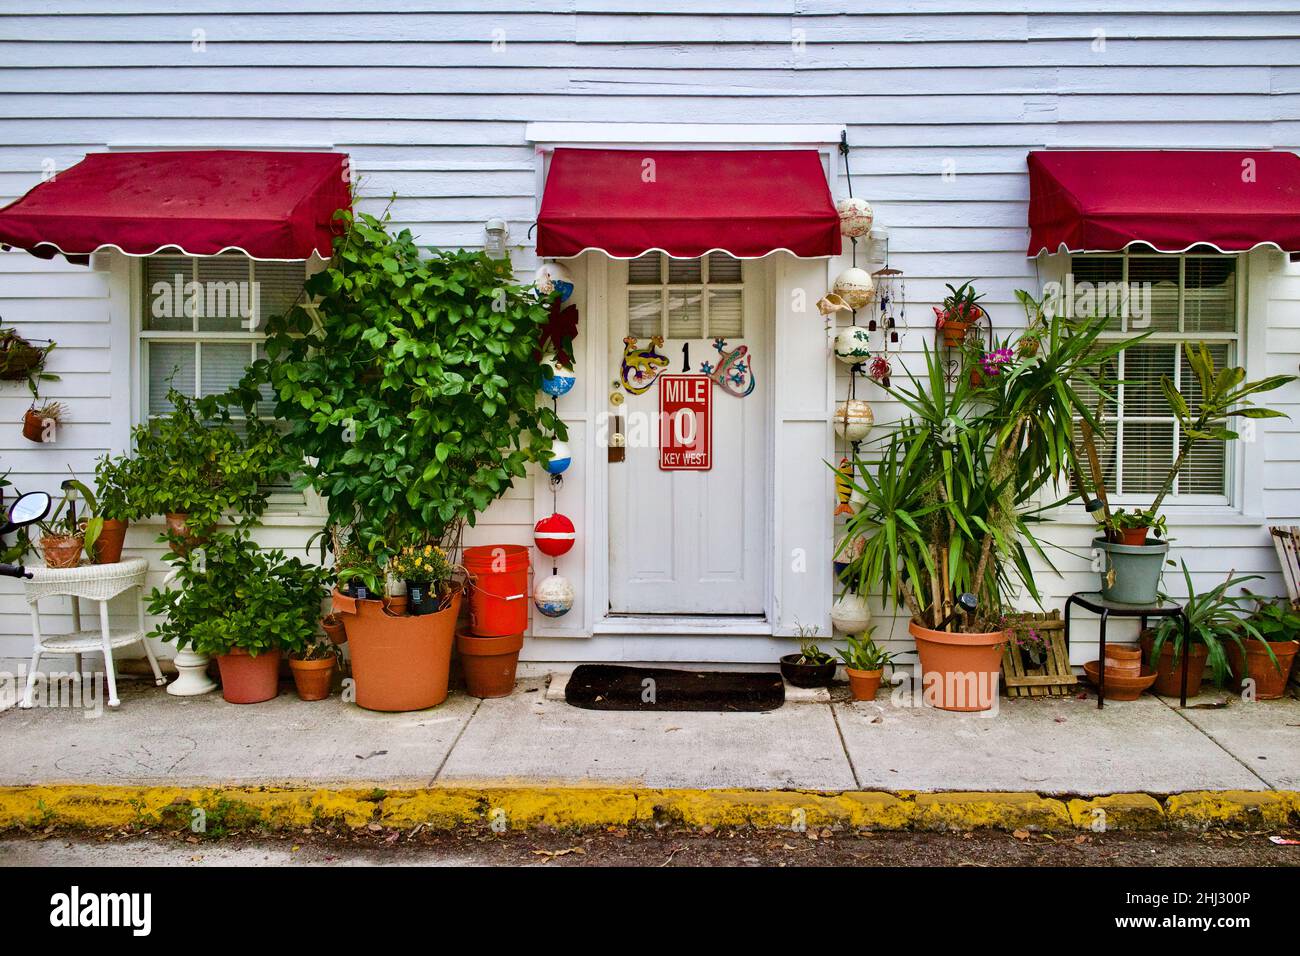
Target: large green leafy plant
(229,594)
(951,493)
(199,460)
(411,385)
(1215,619)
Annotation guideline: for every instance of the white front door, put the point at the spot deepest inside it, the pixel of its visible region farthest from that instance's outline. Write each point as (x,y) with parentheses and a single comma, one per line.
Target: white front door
(688,542)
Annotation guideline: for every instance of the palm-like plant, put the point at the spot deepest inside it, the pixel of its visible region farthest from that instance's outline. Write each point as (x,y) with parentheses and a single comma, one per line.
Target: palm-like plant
(1214,618)
(950,496)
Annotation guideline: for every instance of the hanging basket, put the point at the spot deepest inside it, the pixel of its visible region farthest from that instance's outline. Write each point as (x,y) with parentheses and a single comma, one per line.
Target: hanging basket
(19,358)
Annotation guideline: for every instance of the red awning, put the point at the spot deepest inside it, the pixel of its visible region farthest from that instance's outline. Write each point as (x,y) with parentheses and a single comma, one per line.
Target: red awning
(687,203)
(1102,201)
(269,205)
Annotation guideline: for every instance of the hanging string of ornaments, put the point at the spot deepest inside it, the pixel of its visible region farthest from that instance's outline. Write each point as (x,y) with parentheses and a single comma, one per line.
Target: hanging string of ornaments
(883,292)
(555,534)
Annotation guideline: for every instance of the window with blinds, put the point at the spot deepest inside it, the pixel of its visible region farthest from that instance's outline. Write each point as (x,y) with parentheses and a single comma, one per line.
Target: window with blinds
(685,298)
(202,325)
(1179,298)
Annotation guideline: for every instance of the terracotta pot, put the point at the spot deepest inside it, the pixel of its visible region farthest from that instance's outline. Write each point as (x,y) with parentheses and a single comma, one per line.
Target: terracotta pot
(34,426)
(62,550)
(1120,686)
(1169,677)
(489,663)
(332,625)
(312,678)
(1123,660)
(398,663)
(1270,679)
(178,524)
(249,680)
(959,671)
(1133,537)
(864,684)
(108,546)
(954,332)
(807,675)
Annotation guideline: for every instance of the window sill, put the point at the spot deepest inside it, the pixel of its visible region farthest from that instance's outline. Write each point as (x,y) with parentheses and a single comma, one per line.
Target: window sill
(1190,518)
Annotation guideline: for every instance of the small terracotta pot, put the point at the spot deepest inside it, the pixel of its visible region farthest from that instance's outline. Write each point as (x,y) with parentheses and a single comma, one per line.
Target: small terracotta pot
(108,546)
(332,625)
(34,426)
(178,524)
(1169,677)
(312,678)
(1270,679)
(249,680)
(959,671)
(489,663)
(1133,537)
(864,684)
(976,378)
(62,551)
(1123,661)
(954,332)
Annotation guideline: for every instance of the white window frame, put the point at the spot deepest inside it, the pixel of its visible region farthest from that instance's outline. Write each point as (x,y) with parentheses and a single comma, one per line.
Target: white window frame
(311,508)
(1245,505)
(668,289)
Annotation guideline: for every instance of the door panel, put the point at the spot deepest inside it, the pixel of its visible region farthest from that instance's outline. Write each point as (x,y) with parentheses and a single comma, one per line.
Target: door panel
(689,542)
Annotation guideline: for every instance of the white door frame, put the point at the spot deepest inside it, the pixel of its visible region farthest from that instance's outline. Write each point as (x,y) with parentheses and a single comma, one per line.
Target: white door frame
(597,327)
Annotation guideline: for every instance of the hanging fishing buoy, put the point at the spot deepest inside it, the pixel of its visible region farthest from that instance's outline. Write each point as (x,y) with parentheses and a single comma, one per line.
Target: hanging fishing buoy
(557,378)
(554,535)
(553,595)
(560,458)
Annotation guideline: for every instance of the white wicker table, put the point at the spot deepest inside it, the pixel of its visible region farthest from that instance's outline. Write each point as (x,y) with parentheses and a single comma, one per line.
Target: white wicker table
(91,582)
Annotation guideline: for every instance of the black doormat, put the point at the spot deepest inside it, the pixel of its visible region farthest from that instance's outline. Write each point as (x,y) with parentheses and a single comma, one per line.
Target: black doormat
(616,687)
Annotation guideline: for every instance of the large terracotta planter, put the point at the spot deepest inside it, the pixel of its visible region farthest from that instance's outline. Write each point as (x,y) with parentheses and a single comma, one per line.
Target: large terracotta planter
(1270,679)
(249,680)
(1169,676)
(62,551)
(398,663)
(312,678)
(489,663)
(108,546)
(864,684)
(959,671)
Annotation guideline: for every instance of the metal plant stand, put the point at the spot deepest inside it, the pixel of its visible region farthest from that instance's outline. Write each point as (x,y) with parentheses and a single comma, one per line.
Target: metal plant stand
(1093,601)
(92,582)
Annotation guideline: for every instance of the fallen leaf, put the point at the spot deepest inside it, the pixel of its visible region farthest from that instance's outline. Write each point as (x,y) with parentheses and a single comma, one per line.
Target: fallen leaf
(552,854)
(1080,840)
(1021,834)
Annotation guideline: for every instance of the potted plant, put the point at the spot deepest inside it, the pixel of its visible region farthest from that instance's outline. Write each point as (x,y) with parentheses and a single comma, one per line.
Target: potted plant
(242,605)
(312,667)
(864,663)
(40,422)
(960,310)
(411,391)
(811,667)
(332,625)
(109,512)
(1267,656)
(1215,623)
(198,466)
(950,495)
(62,536)
(20,360)
(427,573)
(1134,560)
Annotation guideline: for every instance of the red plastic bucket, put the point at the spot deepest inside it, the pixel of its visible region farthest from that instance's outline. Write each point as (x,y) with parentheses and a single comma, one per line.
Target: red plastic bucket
(498,589)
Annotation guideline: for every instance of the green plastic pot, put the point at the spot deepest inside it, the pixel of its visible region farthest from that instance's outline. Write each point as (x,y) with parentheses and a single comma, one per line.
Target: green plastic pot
(1137,570)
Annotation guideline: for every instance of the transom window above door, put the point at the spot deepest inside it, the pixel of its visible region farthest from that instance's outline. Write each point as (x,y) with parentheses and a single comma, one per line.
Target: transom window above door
(685,298)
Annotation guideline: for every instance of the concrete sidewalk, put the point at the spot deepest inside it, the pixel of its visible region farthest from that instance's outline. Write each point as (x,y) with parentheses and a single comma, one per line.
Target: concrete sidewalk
(1047,747)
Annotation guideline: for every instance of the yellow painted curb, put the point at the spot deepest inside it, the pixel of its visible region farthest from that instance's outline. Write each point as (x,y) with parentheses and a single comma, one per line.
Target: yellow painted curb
(215,810)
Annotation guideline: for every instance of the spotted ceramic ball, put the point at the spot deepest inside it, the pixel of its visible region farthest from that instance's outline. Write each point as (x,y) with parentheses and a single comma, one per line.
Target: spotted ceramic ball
(856,217)
(553,595)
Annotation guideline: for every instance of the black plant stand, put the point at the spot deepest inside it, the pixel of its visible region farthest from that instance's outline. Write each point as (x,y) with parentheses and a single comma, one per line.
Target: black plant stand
(1093,601)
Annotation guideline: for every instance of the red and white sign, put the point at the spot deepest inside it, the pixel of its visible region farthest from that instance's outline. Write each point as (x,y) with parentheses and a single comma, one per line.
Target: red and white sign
(685,422)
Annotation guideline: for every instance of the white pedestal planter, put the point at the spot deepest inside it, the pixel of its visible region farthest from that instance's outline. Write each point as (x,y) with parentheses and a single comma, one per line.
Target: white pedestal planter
(193,679)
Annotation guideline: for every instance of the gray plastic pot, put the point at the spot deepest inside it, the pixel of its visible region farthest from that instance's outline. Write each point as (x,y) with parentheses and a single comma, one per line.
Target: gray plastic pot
(1137,570)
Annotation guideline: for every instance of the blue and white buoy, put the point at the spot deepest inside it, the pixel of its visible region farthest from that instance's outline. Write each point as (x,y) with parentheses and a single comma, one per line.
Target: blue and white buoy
(560,458)
(557,379)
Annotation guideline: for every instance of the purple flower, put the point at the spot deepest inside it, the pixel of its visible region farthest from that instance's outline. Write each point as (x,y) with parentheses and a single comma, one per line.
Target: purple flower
(993,361)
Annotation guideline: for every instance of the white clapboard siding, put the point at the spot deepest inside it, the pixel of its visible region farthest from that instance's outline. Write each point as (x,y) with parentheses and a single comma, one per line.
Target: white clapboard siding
(431,98)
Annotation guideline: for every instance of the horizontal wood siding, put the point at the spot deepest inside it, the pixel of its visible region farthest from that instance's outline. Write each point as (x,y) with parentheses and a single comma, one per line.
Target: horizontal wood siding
(430,109)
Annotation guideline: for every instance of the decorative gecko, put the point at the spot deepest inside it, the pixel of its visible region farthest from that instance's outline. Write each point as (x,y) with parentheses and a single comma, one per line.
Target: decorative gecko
(732,373)
(642,366)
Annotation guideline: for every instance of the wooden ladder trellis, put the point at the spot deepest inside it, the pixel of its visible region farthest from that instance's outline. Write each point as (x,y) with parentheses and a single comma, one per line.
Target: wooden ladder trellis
(1053,678)
(1287,542)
